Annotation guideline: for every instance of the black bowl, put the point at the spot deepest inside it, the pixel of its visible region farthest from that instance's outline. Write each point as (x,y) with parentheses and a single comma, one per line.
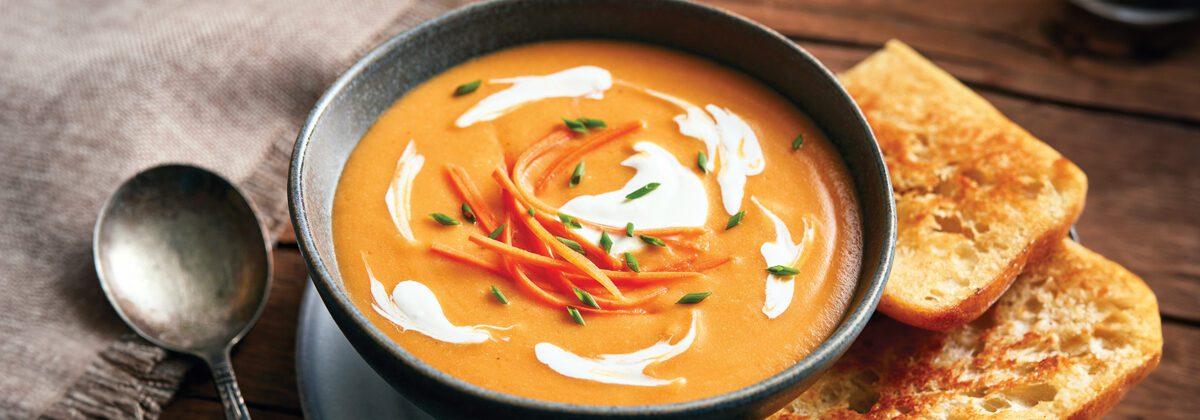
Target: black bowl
(381,77)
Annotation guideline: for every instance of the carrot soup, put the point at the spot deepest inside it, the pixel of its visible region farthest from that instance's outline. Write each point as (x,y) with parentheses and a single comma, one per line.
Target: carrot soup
(598,222)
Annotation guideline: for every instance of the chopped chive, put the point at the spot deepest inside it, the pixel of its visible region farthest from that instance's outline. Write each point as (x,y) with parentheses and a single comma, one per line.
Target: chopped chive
(586,298)
(629,229)
(575,125)
(799,141)
(571,244)
(693,298)
(568,221)
(575,315)
(531,212)
(632,263)
(735,220)
(593,123)
(702,162)
(499,295)
(642,191)
(782,270)
(466,88)
(468,213)
(577,175)
(652,240)
(605,241)
(444,219)
(496,233)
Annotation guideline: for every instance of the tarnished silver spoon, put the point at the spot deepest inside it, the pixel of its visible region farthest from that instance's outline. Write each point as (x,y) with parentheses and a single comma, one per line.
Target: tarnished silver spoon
(184,260)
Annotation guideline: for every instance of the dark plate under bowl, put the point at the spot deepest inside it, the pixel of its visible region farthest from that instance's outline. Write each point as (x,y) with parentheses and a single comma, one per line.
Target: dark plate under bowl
(385,74)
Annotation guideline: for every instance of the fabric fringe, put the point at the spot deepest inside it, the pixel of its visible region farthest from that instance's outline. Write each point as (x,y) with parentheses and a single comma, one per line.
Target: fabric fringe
(132,379)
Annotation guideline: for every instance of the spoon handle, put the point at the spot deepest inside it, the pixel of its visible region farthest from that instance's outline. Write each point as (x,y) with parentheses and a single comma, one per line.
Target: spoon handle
(231,396)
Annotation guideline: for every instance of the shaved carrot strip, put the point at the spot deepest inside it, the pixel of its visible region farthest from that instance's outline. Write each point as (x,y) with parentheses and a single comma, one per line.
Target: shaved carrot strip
(530,287)
(528,258)
(643,278)
(594,251)
(633,302)
(520,255)
(563,251)
(470,194)
(466,258)
(573,155)
(541,147)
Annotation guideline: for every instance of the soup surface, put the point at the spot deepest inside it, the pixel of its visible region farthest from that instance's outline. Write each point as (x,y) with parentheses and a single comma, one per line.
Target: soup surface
(759,237)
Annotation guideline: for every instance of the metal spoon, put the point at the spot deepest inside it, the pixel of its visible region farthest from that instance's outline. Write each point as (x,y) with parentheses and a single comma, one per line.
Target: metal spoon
(183,259)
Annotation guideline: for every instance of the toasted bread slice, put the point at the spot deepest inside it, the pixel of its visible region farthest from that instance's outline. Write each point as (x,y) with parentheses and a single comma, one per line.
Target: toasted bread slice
(1068,339)
(977,197)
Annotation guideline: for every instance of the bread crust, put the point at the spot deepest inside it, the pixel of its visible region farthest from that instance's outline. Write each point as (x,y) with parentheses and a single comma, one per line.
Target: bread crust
(1104,402)
(979,197)
(979,302)
(1068,340)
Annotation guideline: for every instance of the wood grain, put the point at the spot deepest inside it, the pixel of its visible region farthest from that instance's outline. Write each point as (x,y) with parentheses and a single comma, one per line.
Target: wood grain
(1132,125)
(1003,44)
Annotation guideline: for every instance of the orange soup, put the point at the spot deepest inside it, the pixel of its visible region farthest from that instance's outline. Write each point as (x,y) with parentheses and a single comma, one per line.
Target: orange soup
(598,222)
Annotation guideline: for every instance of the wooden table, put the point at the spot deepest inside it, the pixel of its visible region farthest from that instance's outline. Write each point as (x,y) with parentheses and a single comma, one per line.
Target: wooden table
(1129,117)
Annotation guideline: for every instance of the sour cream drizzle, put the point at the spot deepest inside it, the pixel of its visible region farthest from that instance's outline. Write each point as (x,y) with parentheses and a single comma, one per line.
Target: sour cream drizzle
(782,251)
(679,201)
(413,307)
(728,138)
(399,193)
(578,82)
(619,369)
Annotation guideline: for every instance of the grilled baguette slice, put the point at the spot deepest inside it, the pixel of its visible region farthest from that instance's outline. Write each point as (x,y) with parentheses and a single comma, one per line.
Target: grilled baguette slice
(1068,339)
(977,196)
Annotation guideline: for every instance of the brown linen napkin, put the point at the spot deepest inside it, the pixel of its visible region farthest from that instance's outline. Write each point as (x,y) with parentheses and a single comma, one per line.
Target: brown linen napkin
(93,92)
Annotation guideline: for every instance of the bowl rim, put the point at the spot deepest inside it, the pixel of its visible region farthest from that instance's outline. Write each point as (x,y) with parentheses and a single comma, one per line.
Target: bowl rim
(851,324)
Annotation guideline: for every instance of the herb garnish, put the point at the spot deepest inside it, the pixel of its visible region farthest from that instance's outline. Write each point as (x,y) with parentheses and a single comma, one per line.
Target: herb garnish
(571,244)
(582,124)
(576,126)
(605,241)
(652,240)
(496,233)
(593,123)
(586,298)
(702,162)
(466,88)
(568,221)
(640,192)
(782,270)
(735,220)
(468,213)
(577,175)
(629,229)
(444,219)
(499,295)
(632,263)
(693,298)
(799,141)
(575,315)
(531,212)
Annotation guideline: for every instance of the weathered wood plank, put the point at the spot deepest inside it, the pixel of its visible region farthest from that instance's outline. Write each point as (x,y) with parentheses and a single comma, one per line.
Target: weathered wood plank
(1003,44)
(198,408)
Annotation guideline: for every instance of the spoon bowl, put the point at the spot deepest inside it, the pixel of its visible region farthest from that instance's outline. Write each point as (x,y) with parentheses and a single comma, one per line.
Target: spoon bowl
(184,261)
